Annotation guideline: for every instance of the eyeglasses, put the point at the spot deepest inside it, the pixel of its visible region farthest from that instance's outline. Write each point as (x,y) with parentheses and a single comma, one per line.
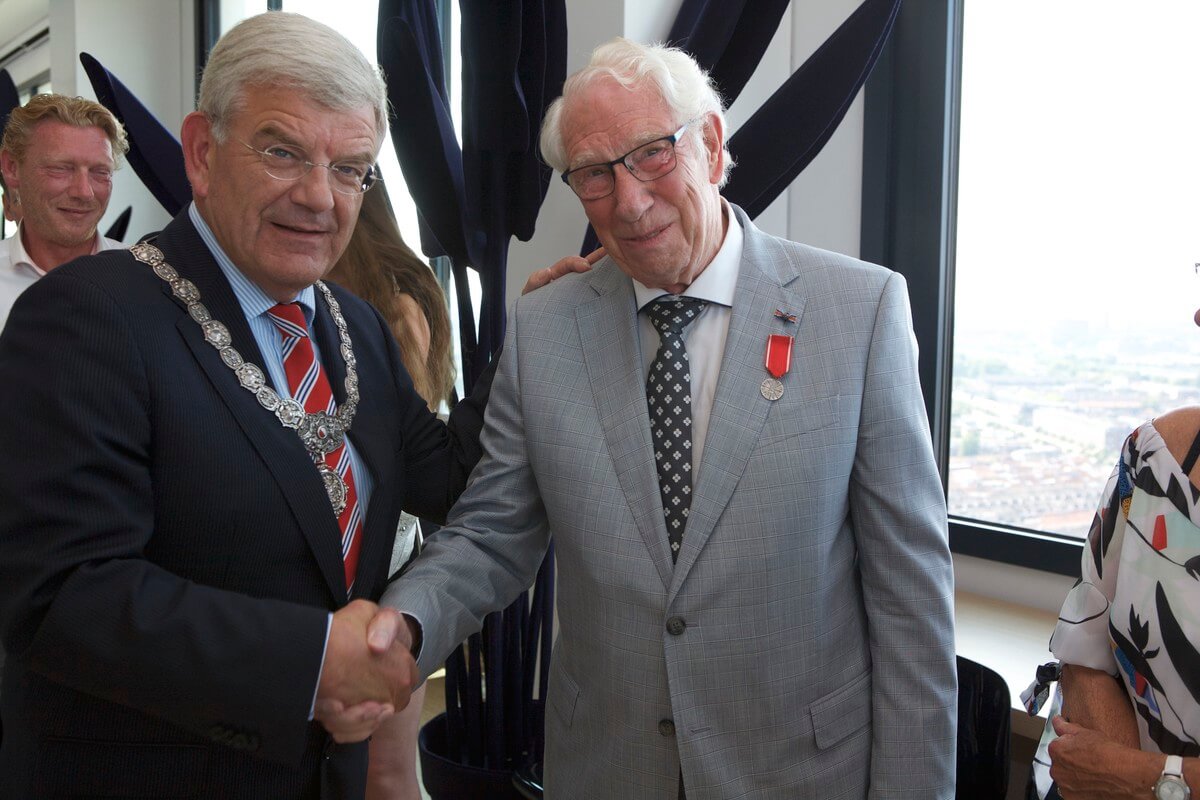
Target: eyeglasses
(287,163)
(648,162)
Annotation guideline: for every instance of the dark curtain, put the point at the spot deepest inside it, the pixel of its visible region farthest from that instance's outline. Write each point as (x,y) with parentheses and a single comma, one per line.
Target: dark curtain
(471,202)
(788,132)
(154,153)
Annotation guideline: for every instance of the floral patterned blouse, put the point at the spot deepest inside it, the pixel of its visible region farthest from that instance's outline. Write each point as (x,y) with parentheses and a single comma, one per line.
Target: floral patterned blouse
(1135,612)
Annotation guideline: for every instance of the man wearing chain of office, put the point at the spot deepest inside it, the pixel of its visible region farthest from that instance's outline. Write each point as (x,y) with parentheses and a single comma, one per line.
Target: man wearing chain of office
(206,453)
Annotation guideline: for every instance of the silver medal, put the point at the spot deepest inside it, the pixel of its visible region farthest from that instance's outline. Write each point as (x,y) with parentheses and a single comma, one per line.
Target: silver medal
(771,389)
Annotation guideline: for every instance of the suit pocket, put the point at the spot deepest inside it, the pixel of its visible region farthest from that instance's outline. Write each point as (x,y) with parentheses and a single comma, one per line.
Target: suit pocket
(842,712)
(78,768)
(806,416)
(564,695)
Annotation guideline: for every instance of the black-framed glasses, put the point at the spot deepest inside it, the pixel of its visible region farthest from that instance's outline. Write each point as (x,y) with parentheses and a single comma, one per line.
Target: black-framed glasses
(287,162)
(646,162)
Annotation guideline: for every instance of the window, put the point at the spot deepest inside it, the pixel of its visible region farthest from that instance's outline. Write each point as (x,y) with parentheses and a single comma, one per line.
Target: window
(26,59)
(1074,284)
(1027,168)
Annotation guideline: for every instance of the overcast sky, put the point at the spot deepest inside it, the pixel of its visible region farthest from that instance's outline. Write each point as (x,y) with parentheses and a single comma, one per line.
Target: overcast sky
(1078,175)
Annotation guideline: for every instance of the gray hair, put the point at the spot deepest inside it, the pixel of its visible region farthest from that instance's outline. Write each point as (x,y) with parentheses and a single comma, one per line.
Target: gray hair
(290,50)
(686,89)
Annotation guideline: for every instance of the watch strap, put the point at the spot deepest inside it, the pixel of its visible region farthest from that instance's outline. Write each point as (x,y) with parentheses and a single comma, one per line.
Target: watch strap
(1171,781)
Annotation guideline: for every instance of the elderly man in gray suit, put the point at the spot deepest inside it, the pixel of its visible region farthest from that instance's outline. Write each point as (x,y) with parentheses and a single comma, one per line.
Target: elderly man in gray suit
(755,591)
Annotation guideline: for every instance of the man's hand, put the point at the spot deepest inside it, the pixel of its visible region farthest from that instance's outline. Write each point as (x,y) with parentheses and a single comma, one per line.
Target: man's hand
(1087,764)
(361,687)
(390,628)
(561,267)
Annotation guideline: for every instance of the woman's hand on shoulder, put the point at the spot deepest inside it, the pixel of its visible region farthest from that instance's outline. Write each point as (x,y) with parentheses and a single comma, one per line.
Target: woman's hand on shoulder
(561,267)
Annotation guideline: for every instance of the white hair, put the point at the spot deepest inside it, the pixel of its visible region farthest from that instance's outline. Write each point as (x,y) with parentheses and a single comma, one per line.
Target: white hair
(686,89)
(289,50)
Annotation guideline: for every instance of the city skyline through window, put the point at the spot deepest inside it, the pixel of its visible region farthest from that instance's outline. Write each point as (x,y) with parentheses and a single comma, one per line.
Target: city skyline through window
(1075,282)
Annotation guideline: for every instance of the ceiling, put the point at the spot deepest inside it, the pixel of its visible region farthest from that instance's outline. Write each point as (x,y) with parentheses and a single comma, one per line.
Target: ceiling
(17,17)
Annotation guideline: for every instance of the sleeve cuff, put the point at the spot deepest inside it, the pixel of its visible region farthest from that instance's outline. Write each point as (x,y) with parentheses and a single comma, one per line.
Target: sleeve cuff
(312,708)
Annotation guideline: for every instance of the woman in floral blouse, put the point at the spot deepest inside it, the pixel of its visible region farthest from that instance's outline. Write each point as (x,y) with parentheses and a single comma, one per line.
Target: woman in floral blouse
(1128,632)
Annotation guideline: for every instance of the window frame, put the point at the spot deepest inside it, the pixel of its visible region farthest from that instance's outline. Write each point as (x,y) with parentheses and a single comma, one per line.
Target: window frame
(909,201)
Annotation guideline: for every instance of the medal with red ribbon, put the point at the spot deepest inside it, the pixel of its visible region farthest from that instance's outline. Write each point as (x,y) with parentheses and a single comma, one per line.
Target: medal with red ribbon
(778,361)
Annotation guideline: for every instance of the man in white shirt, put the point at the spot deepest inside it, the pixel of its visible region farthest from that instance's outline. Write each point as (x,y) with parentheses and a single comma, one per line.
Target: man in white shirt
(57,157)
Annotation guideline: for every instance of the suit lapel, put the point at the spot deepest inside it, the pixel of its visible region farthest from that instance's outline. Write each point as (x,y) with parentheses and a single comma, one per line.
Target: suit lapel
(280,448)
(611,353)
(739,409)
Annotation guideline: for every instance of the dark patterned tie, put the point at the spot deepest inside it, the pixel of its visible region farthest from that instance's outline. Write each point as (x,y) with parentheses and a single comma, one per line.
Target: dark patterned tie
(311,388)
(669,393)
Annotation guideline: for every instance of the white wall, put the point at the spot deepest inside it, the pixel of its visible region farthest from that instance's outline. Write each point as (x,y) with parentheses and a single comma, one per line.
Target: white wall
(21,21)
(149,45)
(825,201)
(1019,585)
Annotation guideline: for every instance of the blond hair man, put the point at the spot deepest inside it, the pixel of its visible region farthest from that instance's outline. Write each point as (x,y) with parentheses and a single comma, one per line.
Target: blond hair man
(57,157)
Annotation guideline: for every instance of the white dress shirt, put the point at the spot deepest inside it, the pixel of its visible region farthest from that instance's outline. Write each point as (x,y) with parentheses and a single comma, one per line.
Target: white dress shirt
(704,338)
(17,269)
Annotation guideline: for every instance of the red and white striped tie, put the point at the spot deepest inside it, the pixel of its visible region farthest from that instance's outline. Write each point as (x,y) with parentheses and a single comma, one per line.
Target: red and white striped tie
(310,387)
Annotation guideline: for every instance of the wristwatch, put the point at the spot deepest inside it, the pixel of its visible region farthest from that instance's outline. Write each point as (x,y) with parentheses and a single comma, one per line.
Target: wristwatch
(1170,784)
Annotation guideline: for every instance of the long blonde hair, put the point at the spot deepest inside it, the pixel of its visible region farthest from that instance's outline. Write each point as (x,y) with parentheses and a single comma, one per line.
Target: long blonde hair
(379,267)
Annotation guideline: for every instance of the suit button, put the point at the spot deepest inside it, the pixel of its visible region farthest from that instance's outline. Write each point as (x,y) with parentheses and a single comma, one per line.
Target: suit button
(666,727)
(330,747)
(676,626)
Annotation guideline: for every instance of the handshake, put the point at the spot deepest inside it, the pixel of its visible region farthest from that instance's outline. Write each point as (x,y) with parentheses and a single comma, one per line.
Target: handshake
(369,671)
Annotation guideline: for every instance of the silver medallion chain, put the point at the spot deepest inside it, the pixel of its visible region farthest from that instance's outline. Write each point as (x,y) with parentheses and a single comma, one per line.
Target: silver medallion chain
(321,432)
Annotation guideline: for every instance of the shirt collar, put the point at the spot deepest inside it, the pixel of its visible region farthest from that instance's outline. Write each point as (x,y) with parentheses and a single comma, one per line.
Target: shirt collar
(717,282)
(20,256)
(253,300)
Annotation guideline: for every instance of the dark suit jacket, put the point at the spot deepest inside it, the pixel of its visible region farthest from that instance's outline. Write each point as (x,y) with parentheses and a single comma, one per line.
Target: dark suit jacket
(168,557)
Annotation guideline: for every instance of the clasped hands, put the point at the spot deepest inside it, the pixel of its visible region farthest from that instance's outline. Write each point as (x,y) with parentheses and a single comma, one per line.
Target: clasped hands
(369,671)
(1087,764)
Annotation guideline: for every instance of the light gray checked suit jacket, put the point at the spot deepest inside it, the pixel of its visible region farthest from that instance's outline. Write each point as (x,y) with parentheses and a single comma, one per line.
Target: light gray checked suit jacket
(815,658)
